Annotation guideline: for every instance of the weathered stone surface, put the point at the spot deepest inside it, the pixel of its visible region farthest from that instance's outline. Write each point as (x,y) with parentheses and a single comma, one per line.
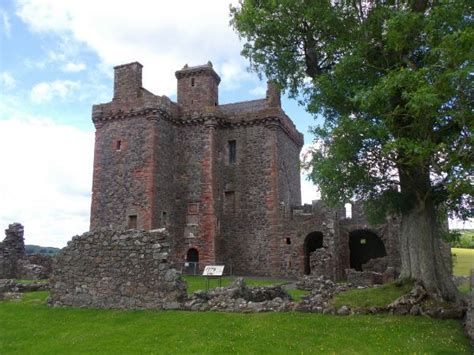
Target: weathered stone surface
(12,249)
(14,263)
(164,164)
(10,285)
(322,290)
(418,302)
(116,269)
(238,297)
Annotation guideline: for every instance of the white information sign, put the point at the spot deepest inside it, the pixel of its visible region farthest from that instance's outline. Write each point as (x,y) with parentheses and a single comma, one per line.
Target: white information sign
(213,270)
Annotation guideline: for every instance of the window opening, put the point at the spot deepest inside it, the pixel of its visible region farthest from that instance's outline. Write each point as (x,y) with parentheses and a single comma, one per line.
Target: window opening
(118,145)
(232,152)
(132,221)
(192,82)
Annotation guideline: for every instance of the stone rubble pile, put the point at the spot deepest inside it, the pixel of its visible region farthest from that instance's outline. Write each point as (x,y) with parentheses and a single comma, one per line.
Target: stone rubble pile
(417,302)
(9,285)
(322,290)
(238,297)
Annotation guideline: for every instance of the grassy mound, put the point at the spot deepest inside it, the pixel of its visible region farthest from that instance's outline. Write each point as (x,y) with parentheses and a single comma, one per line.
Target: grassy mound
(30,327)
(371,297)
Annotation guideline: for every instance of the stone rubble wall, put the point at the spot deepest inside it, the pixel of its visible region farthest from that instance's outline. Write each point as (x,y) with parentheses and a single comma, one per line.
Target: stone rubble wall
(321,261)
(12,249)
(117,269)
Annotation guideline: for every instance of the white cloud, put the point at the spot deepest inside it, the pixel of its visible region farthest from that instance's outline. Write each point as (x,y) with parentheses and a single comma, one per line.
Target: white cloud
(73,67)
(5,21)
(259,91)
(46,91)
(46,179)
(309,191)
(7,81)
(163,36)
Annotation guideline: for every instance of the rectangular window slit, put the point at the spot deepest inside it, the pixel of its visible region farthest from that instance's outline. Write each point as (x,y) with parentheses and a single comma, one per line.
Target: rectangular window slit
(118,145)
(232,152)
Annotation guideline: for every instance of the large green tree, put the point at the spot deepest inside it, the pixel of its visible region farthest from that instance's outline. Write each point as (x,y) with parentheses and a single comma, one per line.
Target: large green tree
(393,81)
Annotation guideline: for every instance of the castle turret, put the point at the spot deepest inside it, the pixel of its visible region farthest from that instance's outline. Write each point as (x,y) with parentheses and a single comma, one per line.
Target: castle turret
(127,81)
(197,87)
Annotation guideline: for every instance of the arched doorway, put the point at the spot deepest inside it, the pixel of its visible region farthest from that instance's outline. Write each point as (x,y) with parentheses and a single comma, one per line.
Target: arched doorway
(192,261)
(313,241)
(364,245)
(192,255)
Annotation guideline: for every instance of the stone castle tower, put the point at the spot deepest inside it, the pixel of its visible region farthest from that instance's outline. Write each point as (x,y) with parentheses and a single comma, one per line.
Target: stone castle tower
(224,181)
(216,176)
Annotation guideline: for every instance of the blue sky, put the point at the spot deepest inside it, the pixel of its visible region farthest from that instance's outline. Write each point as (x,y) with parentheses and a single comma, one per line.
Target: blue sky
(56,61)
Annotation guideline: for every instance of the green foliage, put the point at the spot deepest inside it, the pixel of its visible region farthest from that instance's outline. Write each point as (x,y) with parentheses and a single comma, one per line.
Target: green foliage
(462,239)
(36,249)
(393,81)
(371,297)
(30,327)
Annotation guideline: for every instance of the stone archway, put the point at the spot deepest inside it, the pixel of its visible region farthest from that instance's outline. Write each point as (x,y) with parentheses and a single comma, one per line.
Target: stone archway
(363,246)
(313,241)
(192,256)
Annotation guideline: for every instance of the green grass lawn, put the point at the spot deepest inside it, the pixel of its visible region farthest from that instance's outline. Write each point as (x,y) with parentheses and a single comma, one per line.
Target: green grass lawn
(371,297)
(463,261)
(31,327)
(199,283)
(196,283)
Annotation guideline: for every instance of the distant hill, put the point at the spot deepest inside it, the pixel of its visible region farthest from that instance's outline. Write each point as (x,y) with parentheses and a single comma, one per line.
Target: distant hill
(36,249)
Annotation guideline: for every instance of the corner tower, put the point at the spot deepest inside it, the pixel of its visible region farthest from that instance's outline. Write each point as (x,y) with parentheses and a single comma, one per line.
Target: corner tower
(198,87)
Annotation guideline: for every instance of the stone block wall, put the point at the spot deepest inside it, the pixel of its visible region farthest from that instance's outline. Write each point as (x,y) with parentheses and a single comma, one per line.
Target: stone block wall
(117,269)
(12,250)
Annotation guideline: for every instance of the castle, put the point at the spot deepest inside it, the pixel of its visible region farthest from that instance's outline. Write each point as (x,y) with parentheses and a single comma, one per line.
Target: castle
(223,180)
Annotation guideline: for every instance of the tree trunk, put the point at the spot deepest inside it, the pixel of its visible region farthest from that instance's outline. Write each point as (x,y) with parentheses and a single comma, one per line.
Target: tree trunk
(422,253)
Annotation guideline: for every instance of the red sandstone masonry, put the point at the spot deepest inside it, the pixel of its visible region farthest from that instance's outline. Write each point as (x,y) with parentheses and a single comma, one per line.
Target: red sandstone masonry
(174,155)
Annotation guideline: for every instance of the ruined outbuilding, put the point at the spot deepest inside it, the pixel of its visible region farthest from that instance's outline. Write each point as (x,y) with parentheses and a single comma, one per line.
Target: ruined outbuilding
(117,269)
(223,179)
(14,263)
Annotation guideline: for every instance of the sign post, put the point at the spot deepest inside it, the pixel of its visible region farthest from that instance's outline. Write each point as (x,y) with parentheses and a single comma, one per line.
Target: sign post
(213,271)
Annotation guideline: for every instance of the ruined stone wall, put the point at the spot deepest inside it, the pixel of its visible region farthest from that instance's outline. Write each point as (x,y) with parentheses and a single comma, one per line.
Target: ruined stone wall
(12,250)
(113,269)
(295,227)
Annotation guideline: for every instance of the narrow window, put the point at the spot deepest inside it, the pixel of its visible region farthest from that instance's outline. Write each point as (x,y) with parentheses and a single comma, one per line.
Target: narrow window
(288,241)
(192,81)
(118,145)
(232,152)
(164,218)
(132,221)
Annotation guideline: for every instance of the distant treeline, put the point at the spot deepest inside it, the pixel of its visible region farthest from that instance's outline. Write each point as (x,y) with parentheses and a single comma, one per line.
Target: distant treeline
(36,249)
(463,238)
